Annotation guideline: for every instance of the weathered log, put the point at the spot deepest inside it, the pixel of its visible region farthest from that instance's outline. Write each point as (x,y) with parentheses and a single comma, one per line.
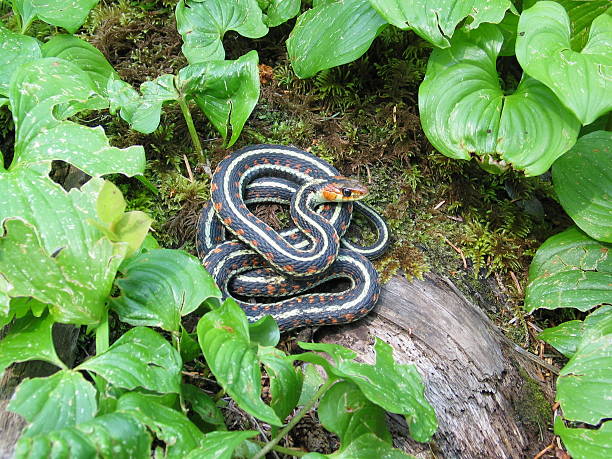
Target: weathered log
(482,386)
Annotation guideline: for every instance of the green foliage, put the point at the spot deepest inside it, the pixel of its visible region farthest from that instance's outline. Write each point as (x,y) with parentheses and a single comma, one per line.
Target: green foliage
(582,179)
(59,13)
(580,79)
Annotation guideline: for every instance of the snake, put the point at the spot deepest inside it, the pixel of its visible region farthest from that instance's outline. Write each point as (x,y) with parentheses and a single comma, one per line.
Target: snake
(265,263)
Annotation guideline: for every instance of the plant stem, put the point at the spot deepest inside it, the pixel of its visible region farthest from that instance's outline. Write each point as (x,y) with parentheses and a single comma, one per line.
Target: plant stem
(284,450)
(291,424)
(102,335)
(192,130)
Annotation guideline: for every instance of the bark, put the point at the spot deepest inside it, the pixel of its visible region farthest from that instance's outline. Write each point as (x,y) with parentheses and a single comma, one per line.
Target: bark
(482,386)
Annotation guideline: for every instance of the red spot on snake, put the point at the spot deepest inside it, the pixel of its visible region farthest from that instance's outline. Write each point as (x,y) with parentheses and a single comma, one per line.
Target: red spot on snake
(312,269)
(227,221)
(213,187)
(240,232)
(271,289)
(217,250)
(349,317)
(289,268)
(254,243)
(218,205)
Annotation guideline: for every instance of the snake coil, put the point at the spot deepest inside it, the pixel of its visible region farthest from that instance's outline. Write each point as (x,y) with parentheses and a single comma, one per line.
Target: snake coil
(266,263)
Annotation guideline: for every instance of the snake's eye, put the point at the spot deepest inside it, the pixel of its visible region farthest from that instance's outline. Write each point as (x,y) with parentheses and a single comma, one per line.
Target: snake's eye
(346,192)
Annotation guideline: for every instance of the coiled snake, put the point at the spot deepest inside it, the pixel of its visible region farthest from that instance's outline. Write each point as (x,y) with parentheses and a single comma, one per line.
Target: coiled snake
(289,262)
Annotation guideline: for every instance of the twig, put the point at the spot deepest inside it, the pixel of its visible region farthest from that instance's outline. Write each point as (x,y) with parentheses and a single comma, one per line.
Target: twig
(536,359)
(440,204)
(548,448)
(188,168)
(458,250)
(516,282)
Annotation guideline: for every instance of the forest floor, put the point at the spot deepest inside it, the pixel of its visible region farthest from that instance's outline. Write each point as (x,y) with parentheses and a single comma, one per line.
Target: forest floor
(446,216)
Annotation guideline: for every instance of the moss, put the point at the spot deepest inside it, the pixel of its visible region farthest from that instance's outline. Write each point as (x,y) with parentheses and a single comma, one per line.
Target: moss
(531,406)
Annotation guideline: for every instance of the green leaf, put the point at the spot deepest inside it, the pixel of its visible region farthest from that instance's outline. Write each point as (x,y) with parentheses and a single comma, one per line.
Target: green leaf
(583,386)
(280,11)
(221,445)
(285,380)
(202,25)
(84,55)
(581,15)
(583,182)
(345,411)
(265,332)
(223,334)
(366,446)
(61,400)
(69,15)
(41,89)
(29,338)
(15,50)
(190,349)
(202,404)
(586,443)
(570,270)
(170,426)
(331,34)
(55,257)
(115,435)
(160,286)
(312,381)
(465,112)
(580,79)
(110,204)
(140,358)
(142,112)
(436,20)
(226,91)
(131,228)
(565,337)
(394,387)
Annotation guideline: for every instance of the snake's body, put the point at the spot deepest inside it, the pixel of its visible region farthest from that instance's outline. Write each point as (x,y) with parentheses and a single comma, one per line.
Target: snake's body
(298,258)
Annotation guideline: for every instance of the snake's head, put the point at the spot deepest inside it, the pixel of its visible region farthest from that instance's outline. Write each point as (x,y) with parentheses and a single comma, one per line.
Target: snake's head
(342,189)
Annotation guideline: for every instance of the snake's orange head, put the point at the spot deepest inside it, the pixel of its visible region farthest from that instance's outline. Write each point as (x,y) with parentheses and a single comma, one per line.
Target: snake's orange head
(342,189)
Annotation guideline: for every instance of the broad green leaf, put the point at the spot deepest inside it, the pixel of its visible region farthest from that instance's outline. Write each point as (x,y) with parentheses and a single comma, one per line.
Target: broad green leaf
(226,91)
(331,34)
(312,381)
(583,386)
(190,349)
(15,50)
(61,400)
(394,387)
(29,338)
(436,20)
(160,286)
(221,445)
(345,411)
(366,446)
(50,252)
(223,334)
(583,182)
(142,112)
(265,332)
(581,79)
(41,89)
(285,380)
(202,404)
(67,14)
(131,228)
(140,358)
(586,443)
(84,55)
(114,435)
(570,270)
(180,435)
(465,112)
(565,337)
(278,12)
(581,15)
(110,204)
(202,25)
